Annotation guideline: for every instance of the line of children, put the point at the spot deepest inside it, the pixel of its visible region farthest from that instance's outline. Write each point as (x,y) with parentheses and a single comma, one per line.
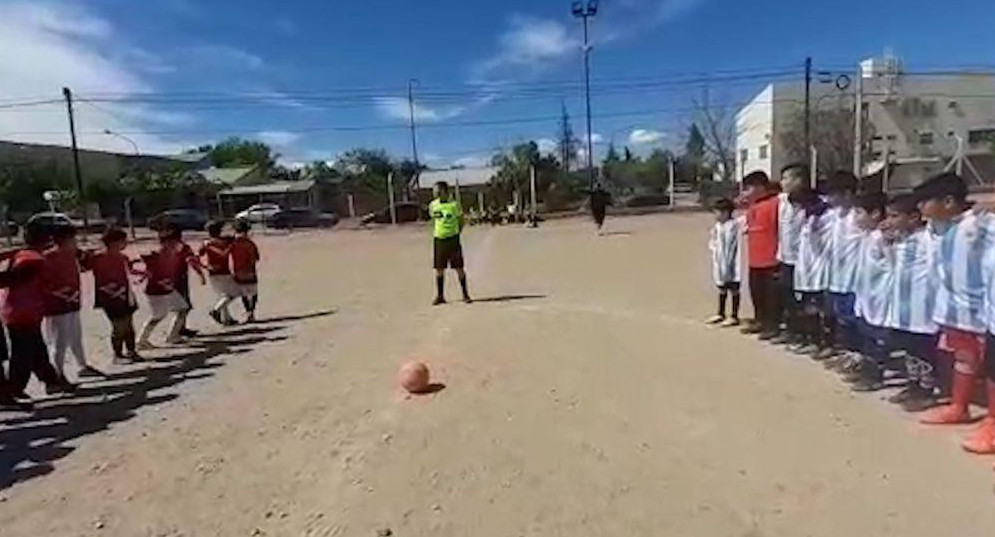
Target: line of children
(40,299)
(879,289)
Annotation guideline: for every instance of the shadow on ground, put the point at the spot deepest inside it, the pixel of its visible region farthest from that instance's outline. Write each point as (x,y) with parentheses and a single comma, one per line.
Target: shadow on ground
(507,298)
(31,442)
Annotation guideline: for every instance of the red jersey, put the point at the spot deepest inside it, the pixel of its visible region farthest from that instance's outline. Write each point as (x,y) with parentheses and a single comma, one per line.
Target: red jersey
(762,231)
(62,282)
(110,278)
(160,269)
(23,304)
(244,256)
(217,252)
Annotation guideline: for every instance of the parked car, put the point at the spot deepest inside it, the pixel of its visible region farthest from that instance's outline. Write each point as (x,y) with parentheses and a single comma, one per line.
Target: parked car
(304,217)
(186,219)
(407,211)
(259,212)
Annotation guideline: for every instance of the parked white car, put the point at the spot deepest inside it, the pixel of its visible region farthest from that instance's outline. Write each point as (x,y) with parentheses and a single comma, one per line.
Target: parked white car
(259,212)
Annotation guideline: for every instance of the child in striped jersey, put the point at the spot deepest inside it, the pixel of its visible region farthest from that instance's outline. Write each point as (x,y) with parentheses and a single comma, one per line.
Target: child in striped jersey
(872,288)
(846,238)
(811,274)
(966,238)
(724,244)
(986,442)
(913,291)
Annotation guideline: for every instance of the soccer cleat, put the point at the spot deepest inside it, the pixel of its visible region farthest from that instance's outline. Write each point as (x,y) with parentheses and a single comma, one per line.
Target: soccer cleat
(62,386)
(982,441)
(8,402)
(467,299)
(958,411)
(870,381)
(907,393)
(121,360)
(186,332)
(825,353)
(717,319)
(753,327)
(438,301)
(729,323)
(920,401)
(216,315)
(768,335)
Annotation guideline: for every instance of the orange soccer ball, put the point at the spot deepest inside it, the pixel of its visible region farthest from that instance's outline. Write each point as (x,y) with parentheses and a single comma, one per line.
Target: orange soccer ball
(414,377)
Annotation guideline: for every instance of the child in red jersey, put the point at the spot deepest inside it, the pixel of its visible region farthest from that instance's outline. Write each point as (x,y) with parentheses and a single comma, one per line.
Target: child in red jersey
(216,251)
(162,267)
(244,257)
(62,327)
(22,307)
(172,237)
(113,294)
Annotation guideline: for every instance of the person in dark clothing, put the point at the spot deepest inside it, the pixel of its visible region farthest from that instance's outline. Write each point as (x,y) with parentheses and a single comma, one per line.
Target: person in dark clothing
(600,200)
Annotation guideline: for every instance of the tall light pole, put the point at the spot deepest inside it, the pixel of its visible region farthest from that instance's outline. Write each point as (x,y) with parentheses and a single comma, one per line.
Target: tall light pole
(120,136)
(584,12)
(414,136)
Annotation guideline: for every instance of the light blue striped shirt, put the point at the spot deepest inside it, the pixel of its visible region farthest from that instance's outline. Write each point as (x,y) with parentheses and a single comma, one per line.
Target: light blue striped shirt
(789,227)
(875,272)
(959,267)
(724,244)
(914,285)
(812,269)
(846,237)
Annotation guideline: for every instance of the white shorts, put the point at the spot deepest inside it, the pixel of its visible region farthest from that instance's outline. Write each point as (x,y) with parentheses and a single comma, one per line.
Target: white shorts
(248,289)
(162,305)
(224,285)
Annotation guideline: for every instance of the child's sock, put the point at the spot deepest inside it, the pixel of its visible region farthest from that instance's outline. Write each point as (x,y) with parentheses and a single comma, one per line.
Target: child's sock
(735,305)
(722,303)
(463,286)
(440,286)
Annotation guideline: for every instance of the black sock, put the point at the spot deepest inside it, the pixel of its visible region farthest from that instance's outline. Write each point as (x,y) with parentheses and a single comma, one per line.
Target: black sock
(463,285)
(735,305)
(722,302)
(440,286)
(117,345)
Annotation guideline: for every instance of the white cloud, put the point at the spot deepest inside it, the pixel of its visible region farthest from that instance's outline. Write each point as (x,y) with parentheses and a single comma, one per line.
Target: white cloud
(532,42)
(547,145)
(278,138)
(596,138)
(472,161)
(645,137)
(224,57)
(49,44)
(398,108)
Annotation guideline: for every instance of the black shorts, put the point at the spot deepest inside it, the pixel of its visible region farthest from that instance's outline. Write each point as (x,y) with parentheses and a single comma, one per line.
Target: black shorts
(448,253)
(730,286)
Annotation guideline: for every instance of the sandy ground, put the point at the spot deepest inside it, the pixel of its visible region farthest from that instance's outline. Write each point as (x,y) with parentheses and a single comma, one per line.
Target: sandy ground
(585,398)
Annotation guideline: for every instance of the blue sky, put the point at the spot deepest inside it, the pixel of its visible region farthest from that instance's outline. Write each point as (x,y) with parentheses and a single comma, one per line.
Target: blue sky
(317,77)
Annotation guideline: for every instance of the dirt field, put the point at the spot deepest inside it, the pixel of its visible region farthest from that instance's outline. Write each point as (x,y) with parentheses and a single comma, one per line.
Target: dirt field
(583,397)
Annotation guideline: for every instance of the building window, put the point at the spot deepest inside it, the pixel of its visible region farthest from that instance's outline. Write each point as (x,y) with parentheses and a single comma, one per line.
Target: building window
(980,136)
(763,152)
(926,138)
(744,155)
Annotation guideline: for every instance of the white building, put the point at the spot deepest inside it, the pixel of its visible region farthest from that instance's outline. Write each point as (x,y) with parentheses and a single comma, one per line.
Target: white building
(918,117)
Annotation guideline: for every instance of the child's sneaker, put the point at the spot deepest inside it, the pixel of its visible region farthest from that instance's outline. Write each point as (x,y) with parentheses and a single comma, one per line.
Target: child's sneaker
(177,340)
(717,319)
(121,360)
(729,323)
(921,400)
(216,316)
(145,346)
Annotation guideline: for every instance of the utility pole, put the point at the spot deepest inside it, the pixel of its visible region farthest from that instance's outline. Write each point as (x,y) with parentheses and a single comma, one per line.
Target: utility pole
(414,137)
(808,102)
(68,94)
(858,120)
(585,12)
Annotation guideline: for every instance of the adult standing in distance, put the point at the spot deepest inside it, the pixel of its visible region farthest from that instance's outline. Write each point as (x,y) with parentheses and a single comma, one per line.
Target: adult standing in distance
(600,200)
(447,218)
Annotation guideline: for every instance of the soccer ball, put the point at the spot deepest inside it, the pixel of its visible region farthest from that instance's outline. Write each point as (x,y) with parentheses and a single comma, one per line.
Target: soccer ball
(414,377)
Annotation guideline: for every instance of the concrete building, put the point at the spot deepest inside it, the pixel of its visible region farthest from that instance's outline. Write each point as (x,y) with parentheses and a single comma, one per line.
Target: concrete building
(917,118)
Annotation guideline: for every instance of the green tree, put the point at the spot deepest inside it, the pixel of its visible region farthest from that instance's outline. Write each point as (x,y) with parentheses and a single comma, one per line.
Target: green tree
(236,152)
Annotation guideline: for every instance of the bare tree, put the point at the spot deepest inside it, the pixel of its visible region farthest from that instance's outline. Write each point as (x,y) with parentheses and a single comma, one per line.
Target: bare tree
(832,135)
(718,125)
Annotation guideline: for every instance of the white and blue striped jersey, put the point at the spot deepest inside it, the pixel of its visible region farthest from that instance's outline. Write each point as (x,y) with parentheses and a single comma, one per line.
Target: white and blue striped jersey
(814,251)
(847,236)
(914,284)
(875,272)
(724,244)
(959,267)
(990,284)
(789,227)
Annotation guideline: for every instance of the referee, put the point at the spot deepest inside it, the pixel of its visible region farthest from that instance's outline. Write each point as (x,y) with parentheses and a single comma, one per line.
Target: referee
(447,216)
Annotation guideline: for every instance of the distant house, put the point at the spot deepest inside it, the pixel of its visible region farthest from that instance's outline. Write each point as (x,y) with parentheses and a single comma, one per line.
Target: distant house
(229,177)
(286,194)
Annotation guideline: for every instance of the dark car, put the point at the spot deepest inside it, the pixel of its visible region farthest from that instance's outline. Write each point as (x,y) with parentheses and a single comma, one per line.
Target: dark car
(296,218)
(407,211)
(185,219)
